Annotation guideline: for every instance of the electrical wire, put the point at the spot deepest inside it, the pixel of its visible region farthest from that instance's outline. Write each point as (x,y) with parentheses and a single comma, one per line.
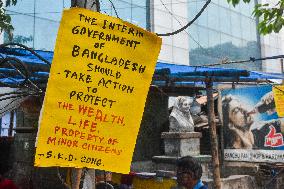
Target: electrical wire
(133,5)
(97,3)
(11,108)
(200,46)
(21,95)
(251,59)
(4,107)
(189,23)
(24,75)
(114,8)
(29,14)
(275,86)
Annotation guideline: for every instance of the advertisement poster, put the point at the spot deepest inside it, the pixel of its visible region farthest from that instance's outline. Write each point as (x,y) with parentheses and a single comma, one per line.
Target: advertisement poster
(97,88)
(252,129)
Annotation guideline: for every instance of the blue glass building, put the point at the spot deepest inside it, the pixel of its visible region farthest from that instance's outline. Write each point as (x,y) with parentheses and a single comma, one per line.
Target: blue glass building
(221,33)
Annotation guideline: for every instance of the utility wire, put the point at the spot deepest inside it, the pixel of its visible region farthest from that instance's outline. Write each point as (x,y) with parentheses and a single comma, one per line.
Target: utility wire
(274,86)
(189,23)
(24,75)
(33,15)
(156,5)
(174,16)
(114,8)
(26,82)
(251,59)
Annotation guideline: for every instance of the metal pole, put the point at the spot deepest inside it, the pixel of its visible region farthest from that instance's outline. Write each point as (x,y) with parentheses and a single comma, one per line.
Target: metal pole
(213,135)
(93,5)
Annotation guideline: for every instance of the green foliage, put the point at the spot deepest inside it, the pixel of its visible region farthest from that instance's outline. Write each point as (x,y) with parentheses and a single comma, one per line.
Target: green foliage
(270,16)
(21,39)
(5,20)
(9,2)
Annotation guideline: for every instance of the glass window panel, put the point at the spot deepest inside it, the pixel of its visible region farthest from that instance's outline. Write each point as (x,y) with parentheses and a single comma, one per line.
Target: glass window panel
(45,39)
(251,7)
(193,36)
(236,24)
(124,14)
(213,19)
(235,8)
(52,11)
(237,42)
(66,3)
(246,25)
(224,3)
(106,7)
(214,38)
(26,7)
(215,2)
(139,16)
(253,30)
(193,31)
(245,8)
(192,10)
(225,20)
(225,38)
(203,35)
(120,4)
(193,43)
(141,3)
(253,49)
(226,45)
(23,28)
(203,19)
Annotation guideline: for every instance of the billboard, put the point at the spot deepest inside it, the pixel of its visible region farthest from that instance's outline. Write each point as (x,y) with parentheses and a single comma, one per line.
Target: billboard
(253,131)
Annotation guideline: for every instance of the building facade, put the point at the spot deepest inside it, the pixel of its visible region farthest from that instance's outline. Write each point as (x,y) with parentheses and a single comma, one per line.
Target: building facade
(221,33)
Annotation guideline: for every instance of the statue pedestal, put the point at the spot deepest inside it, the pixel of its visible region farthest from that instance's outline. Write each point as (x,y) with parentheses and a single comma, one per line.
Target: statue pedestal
(181,144)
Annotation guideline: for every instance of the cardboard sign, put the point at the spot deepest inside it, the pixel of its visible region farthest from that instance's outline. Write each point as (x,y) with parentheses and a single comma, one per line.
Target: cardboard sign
(96,93)
(279,100)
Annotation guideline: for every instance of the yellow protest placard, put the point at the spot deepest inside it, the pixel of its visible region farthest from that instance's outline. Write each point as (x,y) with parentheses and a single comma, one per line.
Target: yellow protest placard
(96,92)
(279,99)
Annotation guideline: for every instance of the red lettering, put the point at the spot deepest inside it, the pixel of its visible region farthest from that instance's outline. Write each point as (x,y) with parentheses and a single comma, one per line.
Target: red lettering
(93,127)
(99,115)
(107,150)
(83,109)
(77,133)
(64,131)
(56,128)
(86,123)
(91,112)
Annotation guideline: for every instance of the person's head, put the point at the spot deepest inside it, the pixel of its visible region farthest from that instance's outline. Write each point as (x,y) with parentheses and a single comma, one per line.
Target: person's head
(189,172)
(183,104)
(103,175)
(235,115)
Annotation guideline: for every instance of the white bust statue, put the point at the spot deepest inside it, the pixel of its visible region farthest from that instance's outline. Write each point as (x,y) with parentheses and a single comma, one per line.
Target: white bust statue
(180,117)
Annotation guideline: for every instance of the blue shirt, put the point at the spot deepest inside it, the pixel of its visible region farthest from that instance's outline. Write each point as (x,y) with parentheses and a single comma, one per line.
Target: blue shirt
(198,185)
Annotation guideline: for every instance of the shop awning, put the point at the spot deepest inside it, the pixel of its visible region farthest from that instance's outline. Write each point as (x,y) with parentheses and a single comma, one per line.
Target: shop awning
(165,74)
